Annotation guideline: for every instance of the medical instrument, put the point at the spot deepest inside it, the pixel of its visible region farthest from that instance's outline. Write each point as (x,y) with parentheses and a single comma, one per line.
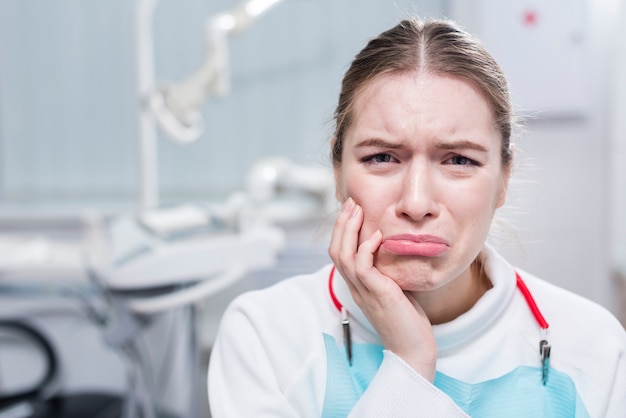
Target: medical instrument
(43,387)
(345,321)
(43,398)
(347,334)
(284,192)
(545,347)
(175,107)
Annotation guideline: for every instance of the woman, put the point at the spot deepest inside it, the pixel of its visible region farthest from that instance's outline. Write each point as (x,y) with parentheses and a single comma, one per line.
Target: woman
(417,315)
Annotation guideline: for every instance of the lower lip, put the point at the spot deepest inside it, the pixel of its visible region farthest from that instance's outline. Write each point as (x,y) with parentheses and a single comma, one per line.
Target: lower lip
(408,247)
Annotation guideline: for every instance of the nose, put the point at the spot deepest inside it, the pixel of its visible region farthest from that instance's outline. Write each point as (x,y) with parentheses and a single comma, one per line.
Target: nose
(418,193)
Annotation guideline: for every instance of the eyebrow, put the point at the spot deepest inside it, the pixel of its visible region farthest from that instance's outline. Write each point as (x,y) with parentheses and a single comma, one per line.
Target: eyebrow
(464,144)
(448,146)
(380,143)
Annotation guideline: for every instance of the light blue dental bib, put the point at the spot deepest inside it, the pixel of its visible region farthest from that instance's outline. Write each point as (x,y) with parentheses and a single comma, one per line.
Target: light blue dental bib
(519,393)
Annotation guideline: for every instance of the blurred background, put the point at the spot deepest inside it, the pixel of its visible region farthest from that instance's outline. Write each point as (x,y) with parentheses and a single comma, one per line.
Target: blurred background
(86,146)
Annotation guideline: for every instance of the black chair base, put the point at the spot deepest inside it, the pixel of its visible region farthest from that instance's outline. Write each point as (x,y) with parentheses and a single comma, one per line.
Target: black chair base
(82,405)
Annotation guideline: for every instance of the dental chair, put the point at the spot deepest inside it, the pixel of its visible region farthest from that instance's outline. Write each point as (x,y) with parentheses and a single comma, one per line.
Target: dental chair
(137,269)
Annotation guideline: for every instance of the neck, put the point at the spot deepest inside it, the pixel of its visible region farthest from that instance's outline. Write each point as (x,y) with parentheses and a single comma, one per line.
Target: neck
(447,303)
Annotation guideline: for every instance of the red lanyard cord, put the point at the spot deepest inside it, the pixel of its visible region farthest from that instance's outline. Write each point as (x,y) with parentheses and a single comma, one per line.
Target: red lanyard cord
(544,346)
(520,285)
(336,302)
(531,302)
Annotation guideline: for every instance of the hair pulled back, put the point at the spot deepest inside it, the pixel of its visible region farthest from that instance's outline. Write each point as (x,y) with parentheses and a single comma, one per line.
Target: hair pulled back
(438,47)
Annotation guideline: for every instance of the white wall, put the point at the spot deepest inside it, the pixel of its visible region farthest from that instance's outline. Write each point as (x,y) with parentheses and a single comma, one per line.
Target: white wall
(618,156)
(560,201)
(618,145)
(68,111)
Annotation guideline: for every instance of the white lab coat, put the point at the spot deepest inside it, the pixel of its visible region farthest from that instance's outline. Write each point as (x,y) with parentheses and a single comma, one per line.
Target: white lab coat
(272,353)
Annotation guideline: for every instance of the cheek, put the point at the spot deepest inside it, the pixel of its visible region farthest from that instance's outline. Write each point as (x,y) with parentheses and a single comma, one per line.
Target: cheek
(372,221)
(374,202)
(478,206)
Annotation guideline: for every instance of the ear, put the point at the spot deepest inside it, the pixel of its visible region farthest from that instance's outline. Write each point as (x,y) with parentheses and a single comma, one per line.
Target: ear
(506,177)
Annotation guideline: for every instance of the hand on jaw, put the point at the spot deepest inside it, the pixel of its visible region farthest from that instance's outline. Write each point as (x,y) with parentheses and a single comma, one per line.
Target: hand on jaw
(399,321)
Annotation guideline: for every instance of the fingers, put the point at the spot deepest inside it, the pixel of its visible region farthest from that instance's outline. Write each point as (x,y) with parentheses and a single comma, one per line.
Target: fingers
(370,277)
(345,236)
(344,243)
(398,319)
(365,253)
(354,262)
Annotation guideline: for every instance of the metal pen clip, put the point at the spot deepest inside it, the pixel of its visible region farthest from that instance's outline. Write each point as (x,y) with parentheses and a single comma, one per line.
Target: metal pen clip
(347,336)
(544,350)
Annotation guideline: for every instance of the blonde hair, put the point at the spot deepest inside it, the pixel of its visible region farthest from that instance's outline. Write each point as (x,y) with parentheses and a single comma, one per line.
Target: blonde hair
(435,46)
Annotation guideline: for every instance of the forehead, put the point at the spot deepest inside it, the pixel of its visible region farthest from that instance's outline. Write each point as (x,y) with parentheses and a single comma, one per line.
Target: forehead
(422,103)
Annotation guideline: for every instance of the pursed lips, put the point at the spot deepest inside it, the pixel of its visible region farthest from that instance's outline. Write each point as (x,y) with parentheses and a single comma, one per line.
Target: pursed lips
(422,245)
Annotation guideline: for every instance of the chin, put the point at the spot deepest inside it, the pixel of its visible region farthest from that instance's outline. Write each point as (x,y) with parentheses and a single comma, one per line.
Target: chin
(410,274)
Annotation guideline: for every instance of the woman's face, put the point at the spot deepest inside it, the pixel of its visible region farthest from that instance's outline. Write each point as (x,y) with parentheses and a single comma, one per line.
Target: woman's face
(422,158)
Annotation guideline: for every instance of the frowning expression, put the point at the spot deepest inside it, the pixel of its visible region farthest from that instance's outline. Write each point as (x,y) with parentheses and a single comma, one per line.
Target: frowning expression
(422,158)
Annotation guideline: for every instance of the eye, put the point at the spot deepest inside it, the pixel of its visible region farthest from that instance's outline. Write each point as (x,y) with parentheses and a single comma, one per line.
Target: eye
(461,160)
(378,158)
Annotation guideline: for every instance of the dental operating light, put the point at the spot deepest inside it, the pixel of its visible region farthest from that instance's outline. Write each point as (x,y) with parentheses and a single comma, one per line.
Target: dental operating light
(177,106)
